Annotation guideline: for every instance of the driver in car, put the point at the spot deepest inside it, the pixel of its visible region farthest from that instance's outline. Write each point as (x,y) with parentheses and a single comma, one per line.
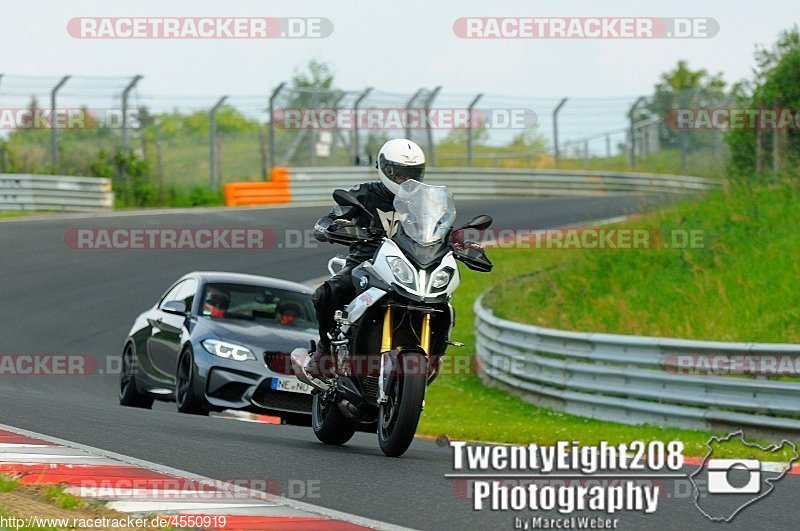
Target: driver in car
(287,313)
(216,303)
(398,161)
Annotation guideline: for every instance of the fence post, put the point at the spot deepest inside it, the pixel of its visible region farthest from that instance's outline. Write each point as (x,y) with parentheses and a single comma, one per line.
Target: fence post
(159,165)
(53,130)
(608,146)
(586,153)
(409,103)
(776,160)
(469,127)
(262,148)
(776,163)
(212,137)
(556,150)
(272,99)
(428,130)
(356,138)
(631,117)
(759,143)
(125,94)
(683,135)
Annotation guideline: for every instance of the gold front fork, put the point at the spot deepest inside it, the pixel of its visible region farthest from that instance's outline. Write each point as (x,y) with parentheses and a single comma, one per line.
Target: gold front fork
(386,339)
(425,337)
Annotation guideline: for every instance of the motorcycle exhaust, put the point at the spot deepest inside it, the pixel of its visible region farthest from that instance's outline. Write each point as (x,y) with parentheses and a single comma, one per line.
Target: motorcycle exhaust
(300,359)
(349,410)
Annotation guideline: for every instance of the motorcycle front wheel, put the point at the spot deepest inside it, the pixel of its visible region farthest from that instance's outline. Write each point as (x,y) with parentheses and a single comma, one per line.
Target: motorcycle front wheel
(399,415)
(329,424)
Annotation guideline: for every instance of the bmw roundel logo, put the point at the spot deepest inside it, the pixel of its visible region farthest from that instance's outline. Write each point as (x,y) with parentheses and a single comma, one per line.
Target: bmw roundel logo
(362,282)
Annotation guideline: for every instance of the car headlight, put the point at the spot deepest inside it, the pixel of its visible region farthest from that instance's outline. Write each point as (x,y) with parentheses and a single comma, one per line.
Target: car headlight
(223,349)
(440,279)
(401,270)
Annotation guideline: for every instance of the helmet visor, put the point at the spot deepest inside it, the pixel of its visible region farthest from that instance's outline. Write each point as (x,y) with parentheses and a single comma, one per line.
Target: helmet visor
(400,173)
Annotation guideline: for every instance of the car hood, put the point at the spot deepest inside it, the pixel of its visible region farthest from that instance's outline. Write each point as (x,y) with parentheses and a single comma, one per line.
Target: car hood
(255,335)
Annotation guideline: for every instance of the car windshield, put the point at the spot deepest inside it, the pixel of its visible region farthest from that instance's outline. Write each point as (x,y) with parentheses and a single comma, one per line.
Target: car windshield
(269,306)
(426,212)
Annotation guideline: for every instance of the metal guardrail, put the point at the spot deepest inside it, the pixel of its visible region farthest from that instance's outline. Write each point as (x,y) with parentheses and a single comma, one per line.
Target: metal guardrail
(316,184)
(633,379)
(21,191)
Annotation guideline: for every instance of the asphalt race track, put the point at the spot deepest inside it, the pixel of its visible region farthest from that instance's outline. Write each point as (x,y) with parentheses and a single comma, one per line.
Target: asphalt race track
(59,300)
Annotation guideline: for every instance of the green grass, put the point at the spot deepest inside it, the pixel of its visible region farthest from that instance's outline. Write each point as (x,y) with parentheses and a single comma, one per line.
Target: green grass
(741,285)
(669,292)
(14,214)
(8,484)
(62,499)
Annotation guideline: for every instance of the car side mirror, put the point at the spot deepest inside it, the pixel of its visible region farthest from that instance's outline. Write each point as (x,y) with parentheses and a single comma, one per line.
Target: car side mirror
(480,222)
(176,307)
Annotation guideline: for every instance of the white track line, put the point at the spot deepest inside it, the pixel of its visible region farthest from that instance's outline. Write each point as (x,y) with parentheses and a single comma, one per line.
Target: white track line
(241,491)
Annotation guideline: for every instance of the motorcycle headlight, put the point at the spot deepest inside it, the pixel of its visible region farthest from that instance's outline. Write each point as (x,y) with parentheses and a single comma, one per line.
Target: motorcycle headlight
(401,270)
(223,349)
(440,279)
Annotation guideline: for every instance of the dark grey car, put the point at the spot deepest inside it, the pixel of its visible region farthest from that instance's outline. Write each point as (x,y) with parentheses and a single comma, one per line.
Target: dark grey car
(219,341)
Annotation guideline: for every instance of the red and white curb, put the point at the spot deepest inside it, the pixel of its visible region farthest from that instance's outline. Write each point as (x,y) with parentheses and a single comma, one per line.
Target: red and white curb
(141,488)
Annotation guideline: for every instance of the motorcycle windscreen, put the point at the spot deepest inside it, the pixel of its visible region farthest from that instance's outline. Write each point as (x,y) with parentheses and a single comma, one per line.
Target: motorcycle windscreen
(426,212)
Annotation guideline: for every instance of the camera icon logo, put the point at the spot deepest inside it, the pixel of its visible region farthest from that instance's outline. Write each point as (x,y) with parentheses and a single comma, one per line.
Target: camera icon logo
(721,472)
(724,486)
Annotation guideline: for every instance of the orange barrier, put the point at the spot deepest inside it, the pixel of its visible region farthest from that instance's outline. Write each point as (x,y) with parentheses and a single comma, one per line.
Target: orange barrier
(273,192)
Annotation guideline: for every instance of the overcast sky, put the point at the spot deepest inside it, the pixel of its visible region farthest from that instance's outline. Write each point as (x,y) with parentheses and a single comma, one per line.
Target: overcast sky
(395,46)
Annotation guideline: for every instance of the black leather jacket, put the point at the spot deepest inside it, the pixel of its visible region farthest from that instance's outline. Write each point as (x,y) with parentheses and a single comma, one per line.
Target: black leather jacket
(378,200)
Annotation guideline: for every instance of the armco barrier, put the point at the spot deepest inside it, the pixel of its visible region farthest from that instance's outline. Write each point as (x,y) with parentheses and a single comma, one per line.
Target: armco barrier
(316,184)
(20,191)
(628,378)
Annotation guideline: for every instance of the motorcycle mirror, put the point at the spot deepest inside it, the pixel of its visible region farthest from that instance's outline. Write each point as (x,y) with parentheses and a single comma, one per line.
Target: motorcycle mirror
(480,222)
(345,198)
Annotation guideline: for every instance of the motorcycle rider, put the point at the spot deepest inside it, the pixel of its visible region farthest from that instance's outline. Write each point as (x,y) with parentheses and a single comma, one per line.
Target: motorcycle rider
(398,161)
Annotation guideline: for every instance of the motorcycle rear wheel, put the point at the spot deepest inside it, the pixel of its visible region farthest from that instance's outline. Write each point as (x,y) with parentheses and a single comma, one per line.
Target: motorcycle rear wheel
(329,424)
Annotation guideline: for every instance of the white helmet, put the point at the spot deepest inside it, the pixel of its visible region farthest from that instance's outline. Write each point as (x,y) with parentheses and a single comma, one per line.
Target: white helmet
(398,161)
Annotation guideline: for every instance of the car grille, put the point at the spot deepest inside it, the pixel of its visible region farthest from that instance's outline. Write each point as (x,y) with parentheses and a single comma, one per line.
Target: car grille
(266,398)
(279,362)
(370,386)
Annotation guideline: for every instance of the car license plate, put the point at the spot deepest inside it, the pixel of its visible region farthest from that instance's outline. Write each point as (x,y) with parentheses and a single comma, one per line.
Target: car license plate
(291,385)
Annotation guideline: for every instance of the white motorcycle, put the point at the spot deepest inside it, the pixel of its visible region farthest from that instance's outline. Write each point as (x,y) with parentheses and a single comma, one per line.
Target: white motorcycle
(388,342)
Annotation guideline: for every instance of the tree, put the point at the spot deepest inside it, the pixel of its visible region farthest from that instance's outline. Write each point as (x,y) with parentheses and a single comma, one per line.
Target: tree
(776,85)
(684,88)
